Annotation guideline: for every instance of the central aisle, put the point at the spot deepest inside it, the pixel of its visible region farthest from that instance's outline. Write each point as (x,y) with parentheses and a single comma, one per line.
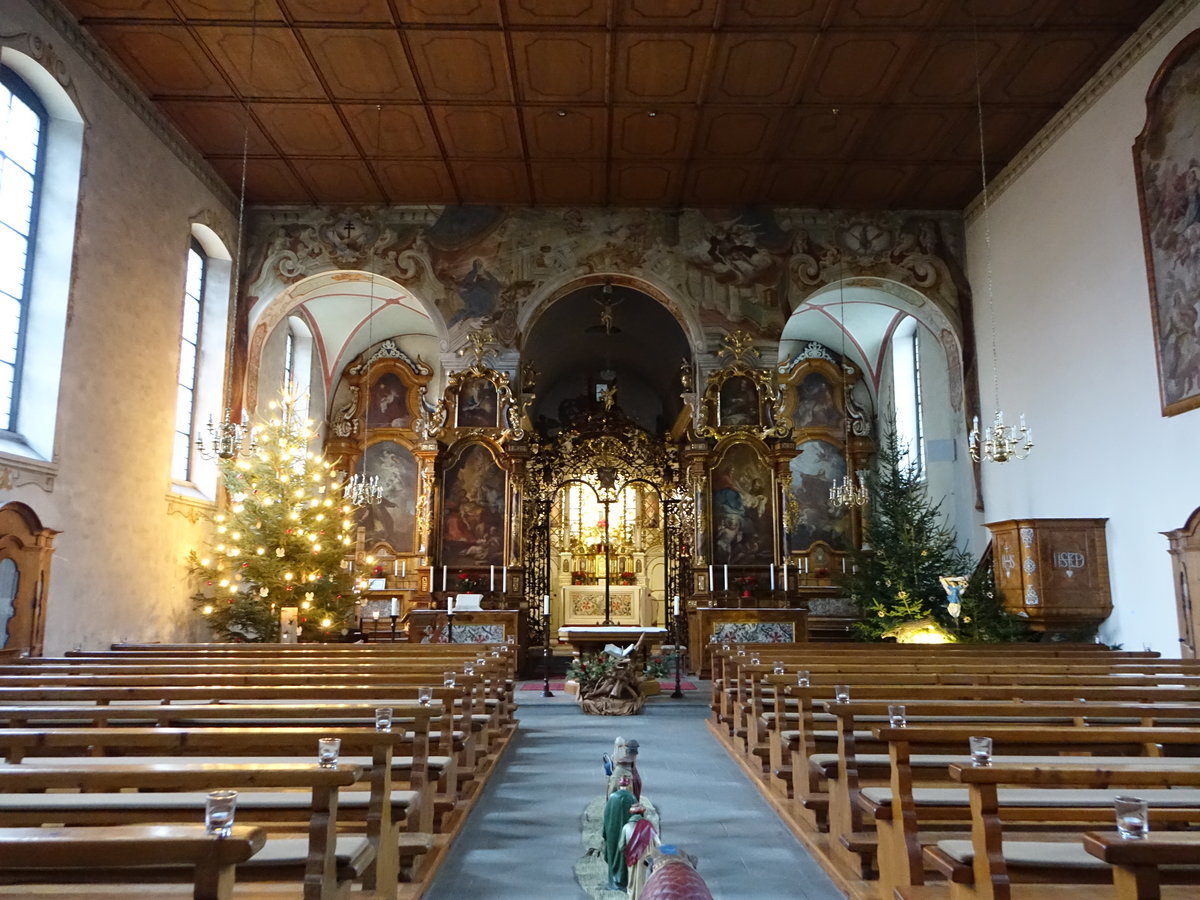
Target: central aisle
(523,837)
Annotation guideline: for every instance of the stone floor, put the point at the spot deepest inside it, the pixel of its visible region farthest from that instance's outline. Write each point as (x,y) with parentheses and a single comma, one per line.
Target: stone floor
(525,829)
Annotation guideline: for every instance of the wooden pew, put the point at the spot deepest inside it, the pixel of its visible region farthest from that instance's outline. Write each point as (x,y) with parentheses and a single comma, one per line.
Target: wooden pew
(322,864)
(52,854)
(1136,863)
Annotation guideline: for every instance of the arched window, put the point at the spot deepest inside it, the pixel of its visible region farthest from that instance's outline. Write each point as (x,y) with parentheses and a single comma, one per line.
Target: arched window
(906,394)
(22,133)
(189,362)
(297,363)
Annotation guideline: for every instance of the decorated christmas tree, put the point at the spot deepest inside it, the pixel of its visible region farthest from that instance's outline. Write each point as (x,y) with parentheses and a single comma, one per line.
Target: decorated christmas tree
(282,541)
(906,549)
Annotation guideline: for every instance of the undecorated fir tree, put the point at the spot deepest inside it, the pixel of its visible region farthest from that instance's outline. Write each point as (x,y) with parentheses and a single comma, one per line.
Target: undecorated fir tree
(907,548)
(281,541)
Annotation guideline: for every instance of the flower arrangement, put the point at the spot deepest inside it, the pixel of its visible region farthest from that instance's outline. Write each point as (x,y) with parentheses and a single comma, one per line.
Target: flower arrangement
(626,578)
(588,668)
(660,666)
(470,584)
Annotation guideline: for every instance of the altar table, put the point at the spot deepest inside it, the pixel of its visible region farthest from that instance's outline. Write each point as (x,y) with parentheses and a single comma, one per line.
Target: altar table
(593,638)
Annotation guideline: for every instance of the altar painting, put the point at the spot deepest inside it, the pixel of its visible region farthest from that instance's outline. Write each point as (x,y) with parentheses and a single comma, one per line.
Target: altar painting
(390,521)
(1167,160)
(473,510)
(815,404)
(739,402)
(815,468)
(477,404)
(388,405)
(742,529)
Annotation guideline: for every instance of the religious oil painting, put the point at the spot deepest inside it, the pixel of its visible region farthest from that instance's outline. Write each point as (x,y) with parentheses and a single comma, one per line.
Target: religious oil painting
(739,402)
(473,510)
(388,403)
(477,404)
(815,404)
(814,468)
(742,531)
(390,521)
(1167,160)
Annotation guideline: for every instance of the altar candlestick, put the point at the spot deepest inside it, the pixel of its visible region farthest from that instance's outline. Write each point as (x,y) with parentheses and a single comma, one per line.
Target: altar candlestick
(711,584)
(395,607)
(785,576)
(726,576)
(676,604)
(443,578)
(772,576)
(545,604)
(504,580)
(492,578)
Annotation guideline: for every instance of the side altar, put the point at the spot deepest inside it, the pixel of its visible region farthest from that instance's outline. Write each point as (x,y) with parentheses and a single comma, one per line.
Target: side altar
(479,626)
(714,619)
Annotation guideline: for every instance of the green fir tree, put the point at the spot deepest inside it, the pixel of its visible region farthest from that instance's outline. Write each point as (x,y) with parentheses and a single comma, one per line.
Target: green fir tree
(282,541)
(907,548)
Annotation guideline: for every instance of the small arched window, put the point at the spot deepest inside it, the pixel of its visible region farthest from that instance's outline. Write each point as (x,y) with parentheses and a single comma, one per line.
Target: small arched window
(906,394)
(189,362)
(22,133)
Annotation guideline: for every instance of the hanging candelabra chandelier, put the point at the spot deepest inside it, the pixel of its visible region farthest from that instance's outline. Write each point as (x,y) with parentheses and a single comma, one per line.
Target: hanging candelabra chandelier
(228,440)
(998,442)
(850,491)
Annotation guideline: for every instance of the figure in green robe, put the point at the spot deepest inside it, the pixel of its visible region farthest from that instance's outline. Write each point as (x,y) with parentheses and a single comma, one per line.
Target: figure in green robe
(616,814)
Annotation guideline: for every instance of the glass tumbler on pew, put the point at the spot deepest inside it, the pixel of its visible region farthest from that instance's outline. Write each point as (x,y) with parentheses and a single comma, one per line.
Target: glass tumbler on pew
(802,679)
(981,751)
(327,752)
(219,810)
(383,718)
(448,679)
(1133,817)
(841,693)
(778,667)
(424,696)
(896,715)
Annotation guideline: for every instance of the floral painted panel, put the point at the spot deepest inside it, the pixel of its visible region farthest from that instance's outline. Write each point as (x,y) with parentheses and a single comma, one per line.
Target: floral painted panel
(584,606)
(465,634)
(755,633)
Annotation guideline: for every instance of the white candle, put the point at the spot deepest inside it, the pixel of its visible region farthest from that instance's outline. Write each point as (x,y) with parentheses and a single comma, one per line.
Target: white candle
(545,604)
(450,605)
(375,614)
(772,576)
(785,577)
(843,565)
(443,578)
(711,584)
(492,578)
(404,568)
(806,565)
(395,607)
(504,580)
(395,567)
(726,576)
(677,605)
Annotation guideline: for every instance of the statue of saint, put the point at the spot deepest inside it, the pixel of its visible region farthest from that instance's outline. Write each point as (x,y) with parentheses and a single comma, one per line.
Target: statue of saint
(616,814)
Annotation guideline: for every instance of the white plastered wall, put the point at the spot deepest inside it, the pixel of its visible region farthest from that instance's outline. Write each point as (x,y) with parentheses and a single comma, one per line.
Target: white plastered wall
(1076,354)
(118,568)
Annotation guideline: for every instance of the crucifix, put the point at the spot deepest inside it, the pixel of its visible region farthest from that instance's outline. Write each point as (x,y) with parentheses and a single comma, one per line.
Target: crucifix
(348,230)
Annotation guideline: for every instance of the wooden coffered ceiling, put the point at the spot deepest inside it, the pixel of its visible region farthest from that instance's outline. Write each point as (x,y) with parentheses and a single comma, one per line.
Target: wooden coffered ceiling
(815,103)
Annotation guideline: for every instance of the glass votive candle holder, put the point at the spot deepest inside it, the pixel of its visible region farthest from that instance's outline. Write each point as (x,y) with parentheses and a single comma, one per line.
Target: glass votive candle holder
(777,668)
(981,751)
(896,715)
(448,679)
(741,651)
(1133,817)
(724,646)
(802,678)
(468,669)
(841,693)
(425,695)
(509,639)
(383,718)
(754,660)
(482,661)
(327,752)
(219,809)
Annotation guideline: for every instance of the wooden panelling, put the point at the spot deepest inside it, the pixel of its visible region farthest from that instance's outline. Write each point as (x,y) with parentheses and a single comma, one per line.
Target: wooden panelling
(356,11)
(721,184)
(416,181)
(577,133)
(758,68)
(775,14)
(267,180)
(492,181)
(856,103)
(304,129)
(461,66)
(659,68)
(665,13)
(569,183)
(576,13)
(227,10)
(644,184)
(165,60)
(560,67)
(339,180)
(362,64)
(662,132)
(280,67)
(486,132)
(215,127)
(449,12)
(393,130)
(736,132)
